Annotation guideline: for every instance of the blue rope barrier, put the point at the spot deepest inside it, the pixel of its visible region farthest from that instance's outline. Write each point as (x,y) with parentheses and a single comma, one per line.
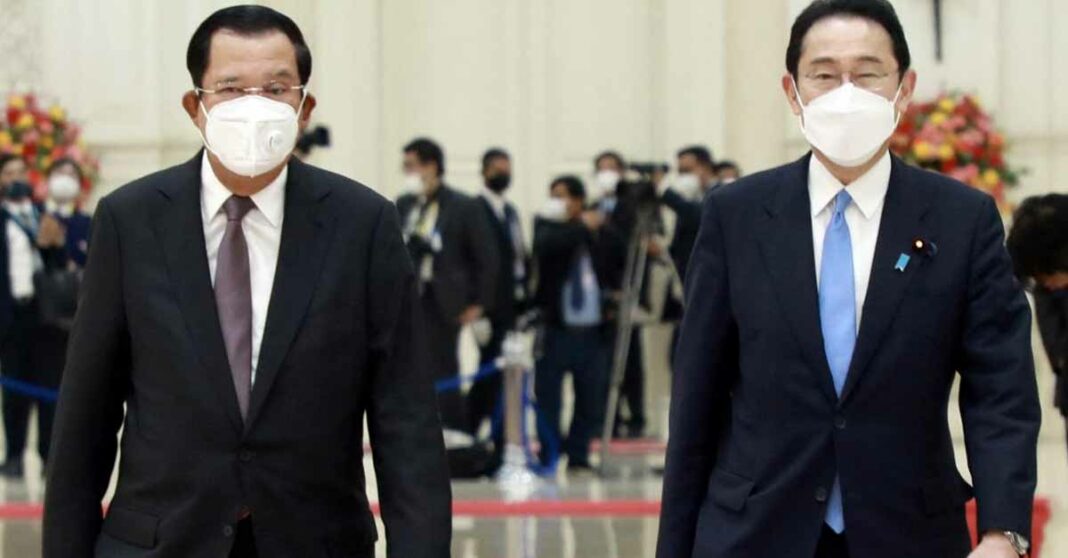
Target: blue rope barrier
(30,390)
(453,384)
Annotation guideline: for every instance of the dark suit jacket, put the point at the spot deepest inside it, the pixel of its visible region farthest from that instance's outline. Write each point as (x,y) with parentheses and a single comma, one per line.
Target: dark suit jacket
(757,430)
(465,270)
(504,309)
(555,248)
(1051,312)
(338,345)
(687,222)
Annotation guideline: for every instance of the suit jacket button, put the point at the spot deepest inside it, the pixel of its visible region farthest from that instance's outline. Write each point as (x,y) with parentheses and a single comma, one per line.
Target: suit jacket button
(228,531)
(840,422)
(246,456)
(821,494)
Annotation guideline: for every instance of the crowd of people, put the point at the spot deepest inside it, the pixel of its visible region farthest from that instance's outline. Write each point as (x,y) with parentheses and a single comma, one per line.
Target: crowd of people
(475,268)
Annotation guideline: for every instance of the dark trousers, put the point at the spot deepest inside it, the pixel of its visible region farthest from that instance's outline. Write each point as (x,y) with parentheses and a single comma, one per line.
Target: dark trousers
(632,391)
(244,542)
(832,545)
(35,354)
(442,343)
(584,352)
(484,395)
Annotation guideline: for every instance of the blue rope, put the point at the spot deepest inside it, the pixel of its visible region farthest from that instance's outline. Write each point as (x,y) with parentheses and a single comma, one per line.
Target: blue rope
(550,444)
(30,390)
(453,384)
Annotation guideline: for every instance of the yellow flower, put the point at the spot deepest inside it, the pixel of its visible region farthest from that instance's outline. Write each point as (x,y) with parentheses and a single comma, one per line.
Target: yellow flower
(24,122)
(946,152)
(947,105)
(991,177)
(17,102)
(939,118)
(923,150)
(47,142)
(46,162)
(5,138)
(57,113)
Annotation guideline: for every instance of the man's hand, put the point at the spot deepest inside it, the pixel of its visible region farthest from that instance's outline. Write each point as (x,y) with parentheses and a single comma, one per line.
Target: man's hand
(471,314)
(655,249)
(51,233)
(593,220)
(994,545)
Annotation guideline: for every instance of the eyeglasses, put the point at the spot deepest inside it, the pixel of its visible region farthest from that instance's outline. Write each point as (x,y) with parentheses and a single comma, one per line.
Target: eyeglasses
(869,80)
(291,94)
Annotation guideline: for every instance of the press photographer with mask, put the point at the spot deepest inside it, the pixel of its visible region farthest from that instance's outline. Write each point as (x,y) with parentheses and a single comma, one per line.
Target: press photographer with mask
(248,311)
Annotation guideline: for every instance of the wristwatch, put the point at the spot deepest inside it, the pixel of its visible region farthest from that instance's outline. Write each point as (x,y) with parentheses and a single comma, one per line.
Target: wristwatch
(1018,542)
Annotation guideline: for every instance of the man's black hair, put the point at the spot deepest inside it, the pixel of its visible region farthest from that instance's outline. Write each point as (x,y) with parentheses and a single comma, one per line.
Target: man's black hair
(1038,242)
(492,155)
(610,155)
(427,151)
(879,11)
(699,152)
(574,186)
(245,21)
(724,165)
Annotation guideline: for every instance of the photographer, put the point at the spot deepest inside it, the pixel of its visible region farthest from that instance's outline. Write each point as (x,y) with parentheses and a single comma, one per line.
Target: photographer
(577,252)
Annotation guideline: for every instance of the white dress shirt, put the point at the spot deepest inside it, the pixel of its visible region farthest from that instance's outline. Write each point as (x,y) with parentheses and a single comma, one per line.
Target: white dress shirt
(23,260)
(863,217)
(263,234)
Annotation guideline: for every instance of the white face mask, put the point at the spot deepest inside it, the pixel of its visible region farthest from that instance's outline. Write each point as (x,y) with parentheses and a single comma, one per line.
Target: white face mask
(251,135)
(687,184)
(554,210)
(413,184)
(63,188)
(607,180)
(849,125)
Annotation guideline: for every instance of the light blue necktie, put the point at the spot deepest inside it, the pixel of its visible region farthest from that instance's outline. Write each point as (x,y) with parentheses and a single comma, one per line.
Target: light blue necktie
(838,320)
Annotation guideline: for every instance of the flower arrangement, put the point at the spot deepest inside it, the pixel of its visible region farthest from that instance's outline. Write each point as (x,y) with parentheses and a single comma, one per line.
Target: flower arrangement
(953,135)
(42,135)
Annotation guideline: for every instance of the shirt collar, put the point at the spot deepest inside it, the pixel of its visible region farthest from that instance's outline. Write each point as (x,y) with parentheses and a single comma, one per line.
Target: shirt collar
(270,201)
(496,201)
(868,191)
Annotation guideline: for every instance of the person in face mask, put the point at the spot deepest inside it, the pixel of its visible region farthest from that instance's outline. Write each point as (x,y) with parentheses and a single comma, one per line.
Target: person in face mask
(457,269)
(577,253)
(727,172)
(830,304)
(65,181)
(512,281)
(248,311)
(25,231)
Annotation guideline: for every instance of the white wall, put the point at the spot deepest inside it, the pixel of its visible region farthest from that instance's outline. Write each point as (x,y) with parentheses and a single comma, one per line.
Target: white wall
(554,81)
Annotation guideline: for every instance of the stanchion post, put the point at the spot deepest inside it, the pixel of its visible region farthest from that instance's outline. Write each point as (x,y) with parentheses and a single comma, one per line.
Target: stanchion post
(514,473)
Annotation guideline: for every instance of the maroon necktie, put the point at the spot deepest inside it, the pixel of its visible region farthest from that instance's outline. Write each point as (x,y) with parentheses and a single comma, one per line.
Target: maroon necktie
(233,298)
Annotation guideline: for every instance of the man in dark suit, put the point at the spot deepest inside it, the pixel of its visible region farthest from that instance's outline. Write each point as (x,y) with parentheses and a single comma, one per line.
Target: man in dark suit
(696,178)
(579,255)
(1039,248)
(830,304)
(512,278)
(248,310)
(456,267)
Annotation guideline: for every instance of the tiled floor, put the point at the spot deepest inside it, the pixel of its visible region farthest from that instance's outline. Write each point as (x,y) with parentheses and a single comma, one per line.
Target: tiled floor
(602,536)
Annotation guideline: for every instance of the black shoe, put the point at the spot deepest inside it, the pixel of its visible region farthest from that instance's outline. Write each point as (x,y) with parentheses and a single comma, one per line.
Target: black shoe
(11,469)
(579,467)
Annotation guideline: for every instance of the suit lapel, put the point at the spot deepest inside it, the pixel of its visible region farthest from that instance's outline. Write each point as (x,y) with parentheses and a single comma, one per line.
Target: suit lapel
(304,243)
(902,219)
(180,231)
(786,244)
